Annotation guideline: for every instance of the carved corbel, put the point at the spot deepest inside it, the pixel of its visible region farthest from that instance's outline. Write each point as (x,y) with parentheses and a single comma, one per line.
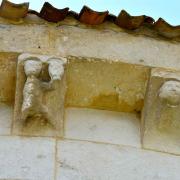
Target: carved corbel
(39,100)
(161,114)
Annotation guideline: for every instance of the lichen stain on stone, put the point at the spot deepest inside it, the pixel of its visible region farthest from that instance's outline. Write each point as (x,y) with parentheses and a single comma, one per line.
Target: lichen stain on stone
(112,102)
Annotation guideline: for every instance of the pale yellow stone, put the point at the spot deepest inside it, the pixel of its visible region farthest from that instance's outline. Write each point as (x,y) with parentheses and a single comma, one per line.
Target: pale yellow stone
(161,115)
(107,85)
(8,63)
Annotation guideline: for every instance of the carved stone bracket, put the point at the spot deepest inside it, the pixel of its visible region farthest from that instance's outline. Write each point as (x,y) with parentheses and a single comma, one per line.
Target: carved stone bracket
(40,93)
(169,93)
(161,114)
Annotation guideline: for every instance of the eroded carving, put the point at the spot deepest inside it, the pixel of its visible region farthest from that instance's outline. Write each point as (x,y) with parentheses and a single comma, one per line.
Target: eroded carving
(160,117)
(40,93)
(169,93)
(35,88)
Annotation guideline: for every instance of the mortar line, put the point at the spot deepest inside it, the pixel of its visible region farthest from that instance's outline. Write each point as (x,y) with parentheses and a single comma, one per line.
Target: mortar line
(55,159)
(12,122)
(122,145)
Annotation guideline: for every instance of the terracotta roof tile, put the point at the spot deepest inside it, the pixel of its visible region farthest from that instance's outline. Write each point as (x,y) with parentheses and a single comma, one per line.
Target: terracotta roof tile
(13,11)
(88,16)
(165,29)
(52,14)
(129,22)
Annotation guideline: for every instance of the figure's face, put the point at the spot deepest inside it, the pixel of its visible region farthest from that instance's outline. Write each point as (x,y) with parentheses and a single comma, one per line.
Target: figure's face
(170,93)
(32,67)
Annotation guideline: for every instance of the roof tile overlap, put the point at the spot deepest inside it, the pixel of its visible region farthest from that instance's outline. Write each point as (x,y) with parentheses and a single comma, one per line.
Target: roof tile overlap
(88,16)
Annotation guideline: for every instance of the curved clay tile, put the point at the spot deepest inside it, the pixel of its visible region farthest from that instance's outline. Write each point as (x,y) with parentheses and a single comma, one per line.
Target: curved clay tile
(13,11)
(52,14)
(88,16)
(127,21)
(166,30)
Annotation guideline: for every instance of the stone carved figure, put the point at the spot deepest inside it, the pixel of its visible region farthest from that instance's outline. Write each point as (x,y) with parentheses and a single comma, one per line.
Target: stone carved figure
(34,87)
(169,101)
(169,93)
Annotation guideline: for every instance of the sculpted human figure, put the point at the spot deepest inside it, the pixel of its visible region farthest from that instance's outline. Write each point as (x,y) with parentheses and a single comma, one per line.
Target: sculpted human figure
(35,88)
(33,91)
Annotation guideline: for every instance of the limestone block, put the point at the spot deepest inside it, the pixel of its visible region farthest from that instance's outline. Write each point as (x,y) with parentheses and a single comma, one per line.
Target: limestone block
(102,126)
(8,63)
(40,95)
(102,84)
(81,160)
(161,114)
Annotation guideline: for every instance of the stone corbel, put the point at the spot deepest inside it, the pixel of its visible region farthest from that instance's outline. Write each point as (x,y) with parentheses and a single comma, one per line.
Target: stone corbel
(40,92)
(169,93)
(161,114)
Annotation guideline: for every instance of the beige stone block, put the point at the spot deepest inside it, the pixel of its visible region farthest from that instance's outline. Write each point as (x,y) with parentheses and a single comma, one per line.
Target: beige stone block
(101,84)
(92,161)
(26,158)
(161,114)
(97,42)
(40,95)
(6,117)
(102,126)
(8,63)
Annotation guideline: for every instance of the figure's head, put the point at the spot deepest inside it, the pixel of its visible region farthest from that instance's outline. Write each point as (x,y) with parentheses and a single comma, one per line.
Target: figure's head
(169,93)
(32,67)
(56,69)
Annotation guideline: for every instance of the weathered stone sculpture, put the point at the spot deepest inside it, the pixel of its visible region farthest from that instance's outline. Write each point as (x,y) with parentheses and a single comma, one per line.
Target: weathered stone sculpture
(169,93)
(161,115)
(40,93)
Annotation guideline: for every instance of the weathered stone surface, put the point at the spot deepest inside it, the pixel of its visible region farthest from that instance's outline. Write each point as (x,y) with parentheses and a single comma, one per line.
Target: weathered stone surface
(8,63)
(26,158)
(106,85)
(102,126)
(103,43)
(6,116)
(40,94)
(87,161)
(161,115)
